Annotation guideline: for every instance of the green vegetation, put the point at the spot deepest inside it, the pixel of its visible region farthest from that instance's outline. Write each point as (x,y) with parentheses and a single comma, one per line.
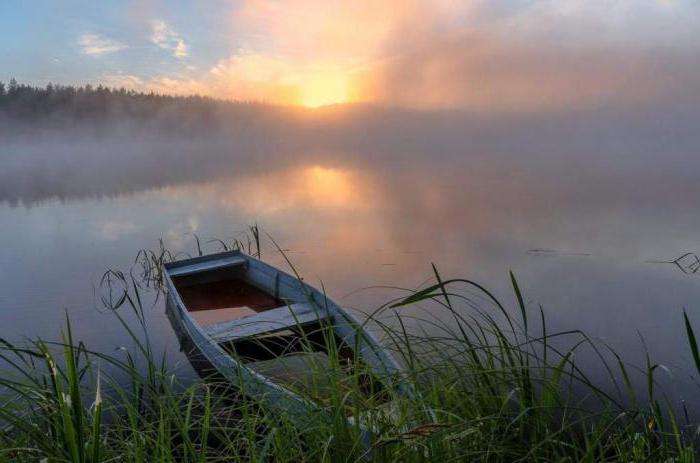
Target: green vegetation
(489,390)
(59,106)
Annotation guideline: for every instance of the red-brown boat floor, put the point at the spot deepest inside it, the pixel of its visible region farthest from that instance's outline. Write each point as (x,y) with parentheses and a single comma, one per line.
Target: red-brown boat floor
(226,294)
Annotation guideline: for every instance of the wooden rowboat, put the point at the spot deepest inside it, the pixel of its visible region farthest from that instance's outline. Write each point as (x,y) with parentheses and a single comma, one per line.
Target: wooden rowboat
(271,334)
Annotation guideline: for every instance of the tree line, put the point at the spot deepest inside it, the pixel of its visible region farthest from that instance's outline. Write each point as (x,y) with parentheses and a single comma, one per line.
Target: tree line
(66,103)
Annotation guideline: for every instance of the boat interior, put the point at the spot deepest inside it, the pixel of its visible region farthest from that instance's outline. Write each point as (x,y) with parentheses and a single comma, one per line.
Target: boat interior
(287,342)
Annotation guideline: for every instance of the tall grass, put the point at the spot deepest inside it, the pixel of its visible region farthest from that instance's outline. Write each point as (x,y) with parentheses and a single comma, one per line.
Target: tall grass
(492,384)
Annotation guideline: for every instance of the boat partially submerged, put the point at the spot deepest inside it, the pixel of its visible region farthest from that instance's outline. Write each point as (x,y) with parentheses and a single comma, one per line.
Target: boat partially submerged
(278,339)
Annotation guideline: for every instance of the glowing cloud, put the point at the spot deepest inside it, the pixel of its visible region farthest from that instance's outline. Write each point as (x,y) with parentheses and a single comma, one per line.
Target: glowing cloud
(308,52)
(95,45)
(497,55)
(254,76)
(166,38)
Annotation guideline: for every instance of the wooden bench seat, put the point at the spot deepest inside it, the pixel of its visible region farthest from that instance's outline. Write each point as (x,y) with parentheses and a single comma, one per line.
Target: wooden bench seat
(269,321)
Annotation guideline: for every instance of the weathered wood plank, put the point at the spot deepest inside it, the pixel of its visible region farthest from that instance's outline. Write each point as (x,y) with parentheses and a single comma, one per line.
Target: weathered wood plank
(224,262)
(269,321)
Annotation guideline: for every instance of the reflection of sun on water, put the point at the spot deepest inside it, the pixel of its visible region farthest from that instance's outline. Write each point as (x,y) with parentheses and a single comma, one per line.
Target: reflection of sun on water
(308,188)
(294,202)
(328,186)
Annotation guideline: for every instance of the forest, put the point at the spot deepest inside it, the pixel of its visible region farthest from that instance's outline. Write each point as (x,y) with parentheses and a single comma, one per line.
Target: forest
(58,106)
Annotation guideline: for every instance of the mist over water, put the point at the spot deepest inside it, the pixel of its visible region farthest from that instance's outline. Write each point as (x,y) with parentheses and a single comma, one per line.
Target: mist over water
(577,204)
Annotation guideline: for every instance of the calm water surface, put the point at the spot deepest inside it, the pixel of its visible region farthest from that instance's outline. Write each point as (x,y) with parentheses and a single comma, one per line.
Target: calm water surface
(580,228)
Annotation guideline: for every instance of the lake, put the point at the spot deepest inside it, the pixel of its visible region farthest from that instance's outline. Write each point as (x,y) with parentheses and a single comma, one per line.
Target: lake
(581,209)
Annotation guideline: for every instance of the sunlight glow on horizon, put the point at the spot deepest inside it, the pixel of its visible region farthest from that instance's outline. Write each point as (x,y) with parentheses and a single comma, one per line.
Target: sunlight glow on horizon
(439,54)
(323,89)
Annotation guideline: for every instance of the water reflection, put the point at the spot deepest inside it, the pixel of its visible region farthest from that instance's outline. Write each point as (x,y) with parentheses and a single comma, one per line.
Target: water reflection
(311,188)
(576,213)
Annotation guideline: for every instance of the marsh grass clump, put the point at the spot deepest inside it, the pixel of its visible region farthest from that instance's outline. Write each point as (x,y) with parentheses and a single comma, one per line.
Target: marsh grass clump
(489,386)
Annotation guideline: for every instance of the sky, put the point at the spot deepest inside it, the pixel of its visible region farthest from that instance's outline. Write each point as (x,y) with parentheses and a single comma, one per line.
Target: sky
(488,55)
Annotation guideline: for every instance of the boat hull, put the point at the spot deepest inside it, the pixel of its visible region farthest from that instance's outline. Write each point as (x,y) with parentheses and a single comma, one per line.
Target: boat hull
(210,355)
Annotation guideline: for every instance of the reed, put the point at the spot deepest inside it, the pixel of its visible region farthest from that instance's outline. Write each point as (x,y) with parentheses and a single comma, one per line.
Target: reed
(493,384)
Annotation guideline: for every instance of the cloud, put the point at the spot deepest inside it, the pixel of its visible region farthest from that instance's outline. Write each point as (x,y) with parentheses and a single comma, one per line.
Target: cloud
(173,85)
(95,45)
(127,81)
(166,38)
(487,72)
(501,55)
(513,55)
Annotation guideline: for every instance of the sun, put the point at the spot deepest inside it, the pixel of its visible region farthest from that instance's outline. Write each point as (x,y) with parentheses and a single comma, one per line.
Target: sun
(324,88)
